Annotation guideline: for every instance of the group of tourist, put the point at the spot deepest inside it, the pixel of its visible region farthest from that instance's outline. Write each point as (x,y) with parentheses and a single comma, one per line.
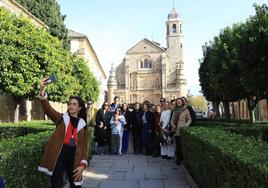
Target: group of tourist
(155,129)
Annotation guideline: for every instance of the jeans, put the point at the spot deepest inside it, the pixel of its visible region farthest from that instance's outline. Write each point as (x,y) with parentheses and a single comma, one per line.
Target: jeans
(65,162)
(115,143)
(179,156)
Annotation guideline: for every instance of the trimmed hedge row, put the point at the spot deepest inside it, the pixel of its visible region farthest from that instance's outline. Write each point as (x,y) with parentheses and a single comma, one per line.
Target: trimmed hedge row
(20,159)
(217,158)
(21,155)
(14,130)
(222,120)
(90,142)
(258,131)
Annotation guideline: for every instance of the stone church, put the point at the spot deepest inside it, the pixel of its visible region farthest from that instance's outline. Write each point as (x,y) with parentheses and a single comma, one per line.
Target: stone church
(150,71)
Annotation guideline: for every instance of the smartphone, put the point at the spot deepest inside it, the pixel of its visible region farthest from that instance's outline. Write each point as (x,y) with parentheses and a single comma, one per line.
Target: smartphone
(50,80)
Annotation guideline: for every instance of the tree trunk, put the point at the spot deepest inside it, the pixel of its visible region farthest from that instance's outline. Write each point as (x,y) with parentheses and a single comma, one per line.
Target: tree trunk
(251,103)
(226,107)
(16,113)
(233,111)
(17,107)
(216,108)
(267,108)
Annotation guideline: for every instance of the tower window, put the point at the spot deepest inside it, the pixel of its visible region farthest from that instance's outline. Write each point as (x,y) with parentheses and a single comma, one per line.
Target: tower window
(174,28)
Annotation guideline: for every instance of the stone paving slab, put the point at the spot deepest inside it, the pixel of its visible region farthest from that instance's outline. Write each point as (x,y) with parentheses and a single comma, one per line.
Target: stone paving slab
(134,171)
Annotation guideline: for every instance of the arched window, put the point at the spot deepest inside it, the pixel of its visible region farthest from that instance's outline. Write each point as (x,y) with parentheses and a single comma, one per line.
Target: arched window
(174,28)
(141,64)
(146,63)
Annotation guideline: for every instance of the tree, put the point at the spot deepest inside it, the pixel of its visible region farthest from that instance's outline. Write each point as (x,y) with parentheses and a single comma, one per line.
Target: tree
(253,57)
(235,64)
(49,12)
(198,102)
(89,87)
(28,54)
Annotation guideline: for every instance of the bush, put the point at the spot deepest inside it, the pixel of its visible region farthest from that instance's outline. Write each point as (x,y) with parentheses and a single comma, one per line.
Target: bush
(13,130)
(21,155)
(217,158)
(90,142)
(20,159)
(258,131)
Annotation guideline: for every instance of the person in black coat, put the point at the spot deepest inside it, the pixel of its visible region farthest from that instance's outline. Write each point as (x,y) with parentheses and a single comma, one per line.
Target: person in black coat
(147,120)
(125,139)
(102,129)
(136,128)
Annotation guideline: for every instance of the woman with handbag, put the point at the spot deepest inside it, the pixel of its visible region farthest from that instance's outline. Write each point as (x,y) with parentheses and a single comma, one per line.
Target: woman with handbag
(67,148)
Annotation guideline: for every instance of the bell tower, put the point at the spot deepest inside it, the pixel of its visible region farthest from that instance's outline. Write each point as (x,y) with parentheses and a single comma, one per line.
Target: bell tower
(175,52)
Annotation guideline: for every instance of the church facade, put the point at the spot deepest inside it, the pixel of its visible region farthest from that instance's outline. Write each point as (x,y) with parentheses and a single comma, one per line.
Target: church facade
(150,71)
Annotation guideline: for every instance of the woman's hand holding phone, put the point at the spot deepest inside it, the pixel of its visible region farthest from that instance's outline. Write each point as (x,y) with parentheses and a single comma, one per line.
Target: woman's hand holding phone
(42,87)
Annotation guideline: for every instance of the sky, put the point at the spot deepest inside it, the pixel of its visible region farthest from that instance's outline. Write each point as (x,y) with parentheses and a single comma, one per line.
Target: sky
(114,26)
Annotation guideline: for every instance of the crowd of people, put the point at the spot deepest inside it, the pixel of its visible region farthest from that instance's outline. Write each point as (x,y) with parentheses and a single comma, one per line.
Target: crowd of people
(155,129)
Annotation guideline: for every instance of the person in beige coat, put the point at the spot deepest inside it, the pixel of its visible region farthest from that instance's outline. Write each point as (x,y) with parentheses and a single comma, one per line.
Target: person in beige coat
(67,148)
(181,117)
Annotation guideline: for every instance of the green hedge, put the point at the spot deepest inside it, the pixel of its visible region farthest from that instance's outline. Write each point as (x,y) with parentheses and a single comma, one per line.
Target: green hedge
(20,159)
(90,142)
(222,120)
(21,155)
(217,158)
(13,130)
(258,131)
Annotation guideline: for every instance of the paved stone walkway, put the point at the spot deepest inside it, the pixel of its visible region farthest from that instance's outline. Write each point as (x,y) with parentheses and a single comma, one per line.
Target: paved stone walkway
(134,171)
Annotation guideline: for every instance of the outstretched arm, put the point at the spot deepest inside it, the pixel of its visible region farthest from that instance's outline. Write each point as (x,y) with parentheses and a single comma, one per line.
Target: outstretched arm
(48,109)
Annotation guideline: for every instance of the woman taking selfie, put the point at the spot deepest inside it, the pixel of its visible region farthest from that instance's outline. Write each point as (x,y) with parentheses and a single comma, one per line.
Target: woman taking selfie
(67,148)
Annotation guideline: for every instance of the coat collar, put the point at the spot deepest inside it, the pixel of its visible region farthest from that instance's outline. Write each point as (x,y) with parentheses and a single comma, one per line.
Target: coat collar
(66,119)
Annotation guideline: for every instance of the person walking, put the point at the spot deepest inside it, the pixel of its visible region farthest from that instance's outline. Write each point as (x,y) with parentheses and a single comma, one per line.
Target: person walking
(181,117)
(67,148)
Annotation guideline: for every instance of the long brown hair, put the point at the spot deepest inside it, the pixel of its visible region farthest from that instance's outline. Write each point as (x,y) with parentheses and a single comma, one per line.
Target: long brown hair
(83,112)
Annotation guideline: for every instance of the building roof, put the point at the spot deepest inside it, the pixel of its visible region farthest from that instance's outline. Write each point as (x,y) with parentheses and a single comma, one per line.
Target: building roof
(156,44)
(14,6)
(76,35)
